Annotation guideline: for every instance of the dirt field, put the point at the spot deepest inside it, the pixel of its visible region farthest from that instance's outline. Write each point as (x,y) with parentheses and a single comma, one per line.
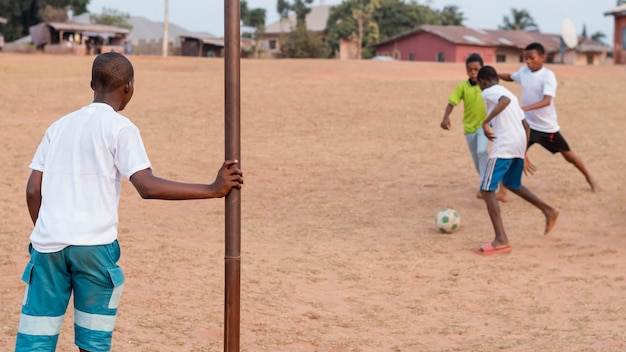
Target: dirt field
(346,167)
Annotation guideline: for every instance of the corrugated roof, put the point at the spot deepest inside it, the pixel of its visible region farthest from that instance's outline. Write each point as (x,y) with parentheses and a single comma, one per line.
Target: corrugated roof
(620,10)
(86,27)
(144,28)
(487,37)
(315,21)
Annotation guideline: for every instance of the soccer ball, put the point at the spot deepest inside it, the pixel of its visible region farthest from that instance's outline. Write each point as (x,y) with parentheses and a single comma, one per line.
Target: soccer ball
(448,220)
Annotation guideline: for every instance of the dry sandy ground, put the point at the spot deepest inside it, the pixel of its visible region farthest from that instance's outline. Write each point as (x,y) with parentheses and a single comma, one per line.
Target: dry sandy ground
(346,167)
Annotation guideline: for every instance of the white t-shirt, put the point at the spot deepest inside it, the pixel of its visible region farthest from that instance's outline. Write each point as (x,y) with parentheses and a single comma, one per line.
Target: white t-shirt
(83,157)
(534,86)
(510,134)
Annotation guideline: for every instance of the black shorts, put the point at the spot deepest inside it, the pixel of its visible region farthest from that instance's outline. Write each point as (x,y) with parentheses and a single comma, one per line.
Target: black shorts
(554,142)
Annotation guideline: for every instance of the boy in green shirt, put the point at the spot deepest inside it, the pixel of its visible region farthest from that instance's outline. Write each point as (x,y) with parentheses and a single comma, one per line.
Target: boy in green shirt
(474,113)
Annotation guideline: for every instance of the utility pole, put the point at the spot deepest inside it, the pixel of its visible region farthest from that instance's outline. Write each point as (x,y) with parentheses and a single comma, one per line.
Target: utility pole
(232,258)
(166,29)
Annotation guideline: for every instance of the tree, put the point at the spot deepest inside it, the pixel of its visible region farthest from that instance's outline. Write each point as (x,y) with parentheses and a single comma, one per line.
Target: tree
(584,33)
(598,37)
(254,18)
(391,18)
(25,13)
(450,16)
(363,16)
(112,17)
(299,42)
(520,20)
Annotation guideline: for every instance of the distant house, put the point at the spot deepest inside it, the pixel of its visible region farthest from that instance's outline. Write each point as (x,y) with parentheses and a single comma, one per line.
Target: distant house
(269,41)
(146,36)
(619,42)
(456,43)
(200,46)
(194,45)
(77,38)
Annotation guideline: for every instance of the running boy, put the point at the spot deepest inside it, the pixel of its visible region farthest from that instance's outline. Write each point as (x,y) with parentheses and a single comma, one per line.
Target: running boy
(505,126)
(73,194)
(538,92)
(473,114)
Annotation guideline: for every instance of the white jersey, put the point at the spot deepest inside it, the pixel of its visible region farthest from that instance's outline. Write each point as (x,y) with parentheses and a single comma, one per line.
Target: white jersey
(510,134)
(534,86)
(83,157)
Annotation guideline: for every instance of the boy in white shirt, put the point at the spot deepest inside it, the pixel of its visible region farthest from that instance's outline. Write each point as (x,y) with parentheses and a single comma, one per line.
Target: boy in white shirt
(506,128)
(538,92)
(72,195)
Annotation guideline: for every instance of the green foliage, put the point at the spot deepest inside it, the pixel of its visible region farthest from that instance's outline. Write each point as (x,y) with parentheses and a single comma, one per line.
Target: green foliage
(598,37)
(254,18)
(300,43)
(520,20)
(450,16)
(112,17)
(299,7)
(21,14)
(391,17)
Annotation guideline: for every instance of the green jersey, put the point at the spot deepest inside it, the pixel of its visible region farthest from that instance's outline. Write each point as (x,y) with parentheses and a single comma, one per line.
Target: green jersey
(474,111)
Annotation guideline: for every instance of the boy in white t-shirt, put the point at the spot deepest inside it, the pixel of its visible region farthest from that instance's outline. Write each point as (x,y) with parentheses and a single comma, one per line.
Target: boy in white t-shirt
(538,92)
(73,194)
(506,128)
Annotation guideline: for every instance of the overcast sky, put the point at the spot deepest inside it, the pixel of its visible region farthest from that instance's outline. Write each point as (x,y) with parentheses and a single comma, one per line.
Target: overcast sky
(208,16)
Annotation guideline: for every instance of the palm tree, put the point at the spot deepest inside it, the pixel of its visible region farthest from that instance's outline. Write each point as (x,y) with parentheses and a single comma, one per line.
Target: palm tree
(599,36)
(520,20)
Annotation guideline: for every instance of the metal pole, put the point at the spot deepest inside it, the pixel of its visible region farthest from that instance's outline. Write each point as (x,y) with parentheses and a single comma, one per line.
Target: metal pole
(232,258)
(166,30)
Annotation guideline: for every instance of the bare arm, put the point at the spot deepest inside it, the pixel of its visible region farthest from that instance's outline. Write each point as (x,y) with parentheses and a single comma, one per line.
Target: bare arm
(445,122)
(150,186)
(503,102)
(33,194)
(529,167)
(547,99)
(505,77)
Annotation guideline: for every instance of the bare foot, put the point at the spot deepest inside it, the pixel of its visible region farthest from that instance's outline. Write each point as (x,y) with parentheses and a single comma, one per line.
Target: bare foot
(479,195)
(502,197)
(594,187)
(551,220)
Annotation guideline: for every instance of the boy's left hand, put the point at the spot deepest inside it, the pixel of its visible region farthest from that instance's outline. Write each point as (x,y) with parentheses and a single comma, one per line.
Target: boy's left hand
(529,167)
(488,132)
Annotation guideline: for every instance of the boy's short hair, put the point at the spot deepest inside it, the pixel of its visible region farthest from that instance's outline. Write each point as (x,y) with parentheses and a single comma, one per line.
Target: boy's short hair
(474,58)
(488,73)
(537,47)
(110,71)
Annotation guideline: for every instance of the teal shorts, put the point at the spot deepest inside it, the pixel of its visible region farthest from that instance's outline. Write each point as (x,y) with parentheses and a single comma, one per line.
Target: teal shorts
(509,171)
(92,275)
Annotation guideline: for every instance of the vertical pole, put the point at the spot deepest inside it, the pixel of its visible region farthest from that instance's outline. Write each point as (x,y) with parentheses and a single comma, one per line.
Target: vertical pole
(233,199)
(166,30)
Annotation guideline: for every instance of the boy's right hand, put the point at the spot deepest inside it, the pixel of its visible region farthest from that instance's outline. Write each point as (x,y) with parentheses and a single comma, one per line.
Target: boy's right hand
(228,178)
(445,123)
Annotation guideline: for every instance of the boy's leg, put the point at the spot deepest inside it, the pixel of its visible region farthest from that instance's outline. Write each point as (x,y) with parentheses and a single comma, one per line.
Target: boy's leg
(478,146)
(493,207)
(496,169)
(98,283)
(556,143)
(571,157)
(549,212)
(48,291)
(513,181)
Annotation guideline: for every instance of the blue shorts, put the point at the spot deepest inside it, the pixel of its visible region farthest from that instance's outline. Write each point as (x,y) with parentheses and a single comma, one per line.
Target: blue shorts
(92,275)
(509,171)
